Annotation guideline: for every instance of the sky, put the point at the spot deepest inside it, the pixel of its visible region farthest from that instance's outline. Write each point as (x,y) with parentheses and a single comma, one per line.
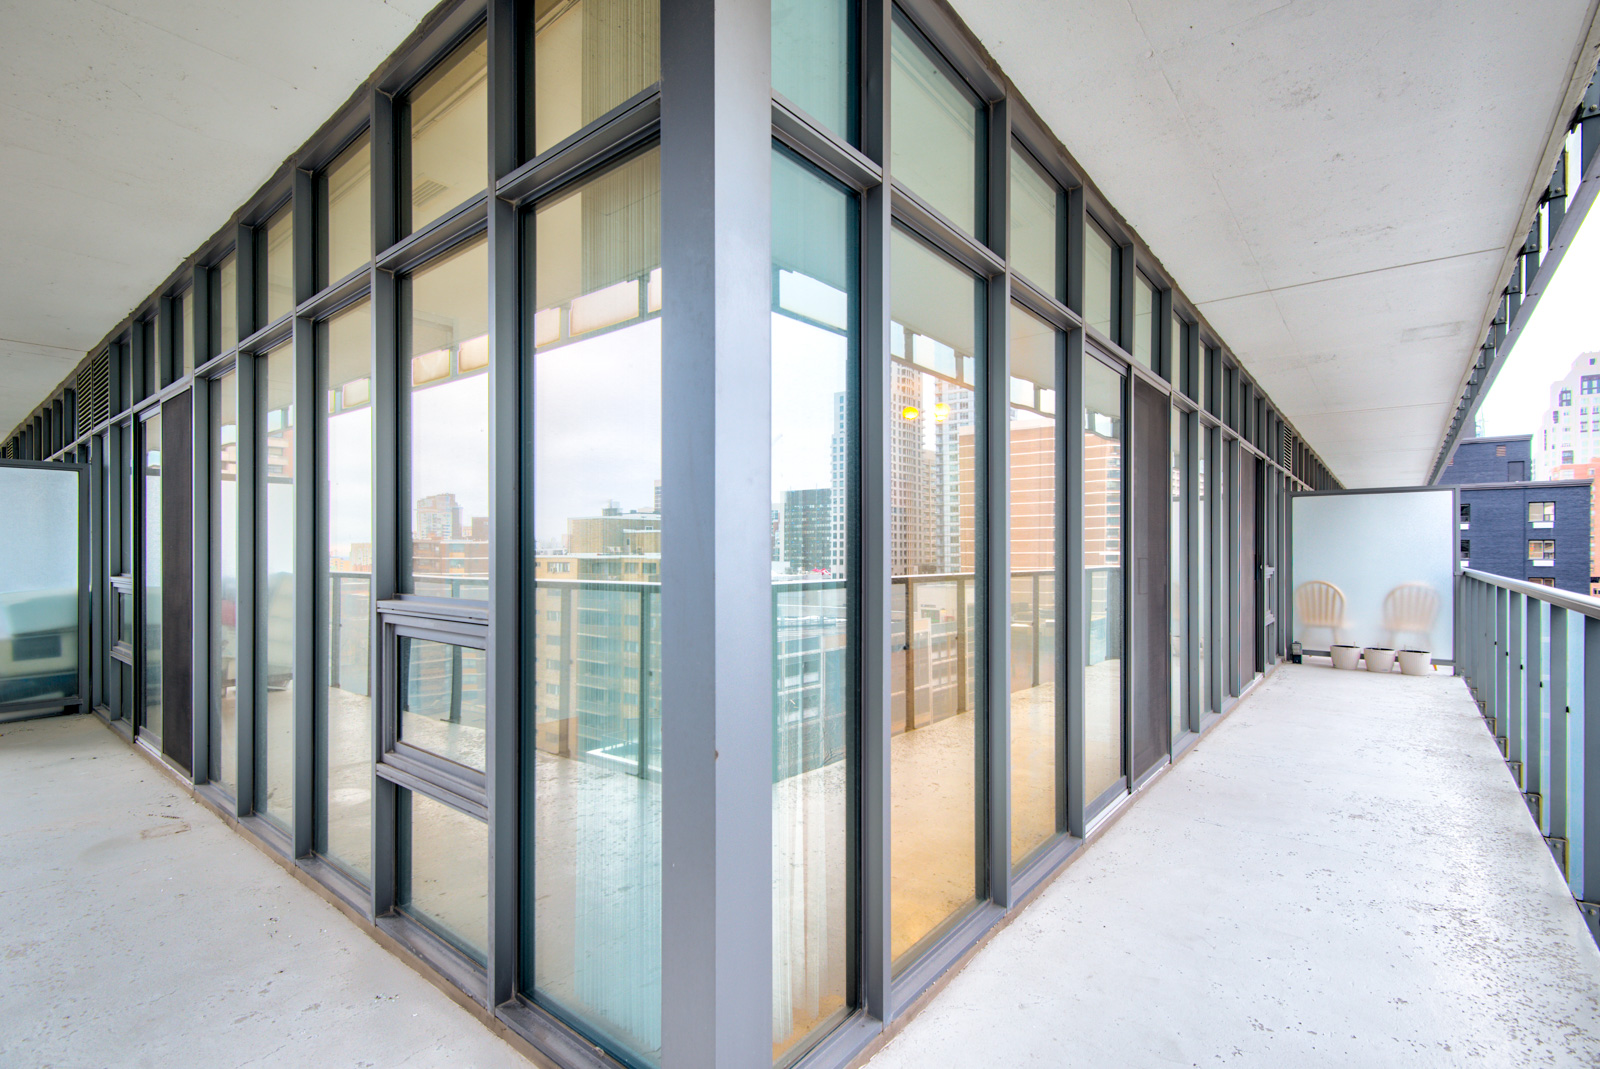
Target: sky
(1565,322)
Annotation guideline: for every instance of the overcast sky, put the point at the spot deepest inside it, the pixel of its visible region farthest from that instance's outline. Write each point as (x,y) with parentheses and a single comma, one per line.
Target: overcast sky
(1566,322)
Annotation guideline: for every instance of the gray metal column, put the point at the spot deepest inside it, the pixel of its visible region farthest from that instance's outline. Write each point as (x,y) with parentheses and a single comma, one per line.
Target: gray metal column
(505,511)
(200,580)
(877,592)
(992,581)
(244,704)
(716,626)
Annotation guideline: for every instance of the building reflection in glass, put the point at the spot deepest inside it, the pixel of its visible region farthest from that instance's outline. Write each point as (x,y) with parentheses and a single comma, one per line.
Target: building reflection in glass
(594,915)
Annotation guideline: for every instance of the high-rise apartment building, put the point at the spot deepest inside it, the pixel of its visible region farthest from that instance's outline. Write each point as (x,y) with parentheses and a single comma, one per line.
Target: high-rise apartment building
(1569,430)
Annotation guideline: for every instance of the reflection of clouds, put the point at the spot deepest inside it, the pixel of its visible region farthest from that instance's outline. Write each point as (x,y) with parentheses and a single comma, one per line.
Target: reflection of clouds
(808,368)
(450,443)
(349,479)
(597,426)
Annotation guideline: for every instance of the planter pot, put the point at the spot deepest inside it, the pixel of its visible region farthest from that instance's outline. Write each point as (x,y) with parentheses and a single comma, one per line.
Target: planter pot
(1378,659)
(1346,657)
(1416,662)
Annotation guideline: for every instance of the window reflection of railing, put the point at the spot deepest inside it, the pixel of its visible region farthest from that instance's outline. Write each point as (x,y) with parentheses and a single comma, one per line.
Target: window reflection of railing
(1102,606)
(597,656)
(597,648)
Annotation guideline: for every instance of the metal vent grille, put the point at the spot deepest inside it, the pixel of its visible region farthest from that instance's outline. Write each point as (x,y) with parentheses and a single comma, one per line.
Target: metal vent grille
(1286,449)
(94,394)
(9,450)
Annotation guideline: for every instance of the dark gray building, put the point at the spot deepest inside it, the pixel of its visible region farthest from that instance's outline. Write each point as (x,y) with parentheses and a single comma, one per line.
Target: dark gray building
(1516,528)
(1507,459)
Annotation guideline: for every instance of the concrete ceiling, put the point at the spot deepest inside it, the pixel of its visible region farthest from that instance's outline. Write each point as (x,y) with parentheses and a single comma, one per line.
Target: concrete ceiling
(1335,185)
(131,130)
(1336,188)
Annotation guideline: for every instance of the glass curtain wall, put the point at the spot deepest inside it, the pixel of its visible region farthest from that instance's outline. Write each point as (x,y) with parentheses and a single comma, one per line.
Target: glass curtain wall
(1035,707)
(1036,212)
(445,410)
(937,150)
(344,693)
(442,871)
(345,230)
(1101,279)
(592,925)
(150,578)
(276,289)
(937,646)
(275,601)
(814,705)
(225,304)
(445,160)
(813,60)
(1145,321)
(589,56)
(223,518)
(1102,580)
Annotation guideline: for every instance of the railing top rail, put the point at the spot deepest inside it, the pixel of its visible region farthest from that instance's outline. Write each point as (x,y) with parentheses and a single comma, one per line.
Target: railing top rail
(1564,599)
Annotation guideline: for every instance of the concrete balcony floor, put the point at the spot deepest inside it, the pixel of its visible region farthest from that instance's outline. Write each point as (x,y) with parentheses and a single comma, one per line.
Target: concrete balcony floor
(1343,873)
(138,929)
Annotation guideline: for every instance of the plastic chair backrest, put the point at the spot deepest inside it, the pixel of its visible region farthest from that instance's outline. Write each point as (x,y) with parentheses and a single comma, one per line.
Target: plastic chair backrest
(1320,604)
(1411,608)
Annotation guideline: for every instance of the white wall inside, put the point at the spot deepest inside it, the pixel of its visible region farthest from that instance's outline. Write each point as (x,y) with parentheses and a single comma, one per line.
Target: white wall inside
(1367,545)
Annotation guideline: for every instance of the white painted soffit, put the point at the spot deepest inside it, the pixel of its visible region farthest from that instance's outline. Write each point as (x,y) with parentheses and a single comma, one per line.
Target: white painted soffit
(1336,185)
(132,130)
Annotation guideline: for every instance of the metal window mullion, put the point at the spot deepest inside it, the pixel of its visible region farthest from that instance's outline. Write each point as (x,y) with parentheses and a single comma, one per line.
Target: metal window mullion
(386,507)
(1127,551)
(307,676)
(1072,612)
(99,638)
(875,960)
(504,645)
(200,583)
(992,556)
(245,614)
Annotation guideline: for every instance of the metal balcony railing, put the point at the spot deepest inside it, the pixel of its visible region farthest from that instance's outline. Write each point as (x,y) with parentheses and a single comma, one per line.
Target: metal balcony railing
(1531,656)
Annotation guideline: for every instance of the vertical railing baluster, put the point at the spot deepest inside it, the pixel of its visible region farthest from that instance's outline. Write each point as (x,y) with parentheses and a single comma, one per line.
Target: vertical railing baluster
(1553,800)
(1499,673)
(1519,673)
(1533,777)
(1587,890)
(1533,669)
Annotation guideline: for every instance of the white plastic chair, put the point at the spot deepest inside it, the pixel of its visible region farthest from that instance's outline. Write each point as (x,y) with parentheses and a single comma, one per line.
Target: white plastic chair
(1410,610)
(1319,606)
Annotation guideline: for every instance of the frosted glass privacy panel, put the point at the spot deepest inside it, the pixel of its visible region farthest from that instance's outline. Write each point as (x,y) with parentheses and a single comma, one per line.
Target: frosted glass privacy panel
(1389,558)
(39,584)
